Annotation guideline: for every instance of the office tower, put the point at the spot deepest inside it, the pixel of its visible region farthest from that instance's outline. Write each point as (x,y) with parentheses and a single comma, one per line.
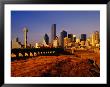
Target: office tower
(83,37)
(63,35)
(70,36)
(56,42)
(74,38)
(46,38)
(25,37)
(97,37)
(87,43)
(53,32)
(67,42)
(93,39)
(15,43)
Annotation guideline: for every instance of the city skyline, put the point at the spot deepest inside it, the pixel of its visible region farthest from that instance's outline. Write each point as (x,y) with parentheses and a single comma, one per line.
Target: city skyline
(40,22)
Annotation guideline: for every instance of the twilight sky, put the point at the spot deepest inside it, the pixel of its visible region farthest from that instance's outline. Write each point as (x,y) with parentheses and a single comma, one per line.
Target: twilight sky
(40,22)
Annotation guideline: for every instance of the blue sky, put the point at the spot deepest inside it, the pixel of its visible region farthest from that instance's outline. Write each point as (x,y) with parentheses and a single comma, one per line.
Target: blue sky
(40,22)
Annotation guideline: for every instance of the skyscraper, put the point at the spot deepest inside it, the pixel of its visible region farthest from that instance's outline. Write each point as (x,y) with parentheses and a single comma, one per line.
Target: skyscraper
(53,32)
(93,39)
(56,42)
(46,38)
(25,37)
(74,38)
(83,37)
(70,36)
(63,35)
(97,37)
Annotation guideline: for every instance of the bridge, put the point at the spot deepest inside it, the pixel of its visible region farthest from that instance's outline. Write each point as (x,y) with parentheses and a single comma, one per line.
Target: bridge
(32,52)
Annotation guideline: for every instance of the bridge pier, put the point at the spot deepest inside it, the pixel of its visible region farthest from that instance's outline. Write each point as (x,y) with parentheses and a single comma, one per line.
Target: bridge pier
(33,54)
(17,54)
(23,54)
(28,54)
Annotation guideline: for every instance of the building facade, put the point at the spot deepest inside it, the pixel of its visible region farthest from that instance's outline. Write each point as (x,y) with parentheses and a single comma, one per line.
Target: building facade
(74,38)
(83,37)
(56,42)
(16,44)
(46,38)
(25,30)
(63,34)
(70,36)
(53,32)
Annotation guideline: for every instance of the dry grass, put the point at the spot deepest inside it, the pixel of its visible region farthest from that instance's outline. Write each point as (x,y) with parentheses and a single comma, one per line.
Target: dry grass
(57,66)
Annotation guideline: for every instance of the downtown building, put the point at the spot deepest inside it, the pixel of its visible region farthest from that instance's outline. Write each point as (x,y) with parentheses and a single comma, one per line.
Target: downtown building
(83,37)
(95,39)
(15,43)
(70,36)
(46,38)
(67,42)
(74,38)
(63,34)
(53,32)
(56,42)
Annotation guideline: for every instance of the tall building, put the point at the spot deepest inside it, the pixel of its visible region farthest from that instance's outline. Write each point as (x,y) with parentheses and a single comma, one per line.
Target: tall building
(25,37)
(87,43)
(70,36)
(56,42)
(62,36)
(67,42)
(97,37)
(83,37)
(53,32)
(74,38)
(46,38)
(93,39)
(16,44)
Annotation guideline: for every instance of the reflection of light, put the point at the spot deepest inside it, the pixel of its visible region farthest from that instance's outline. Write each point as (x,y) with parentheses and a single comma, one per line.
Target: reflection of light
(74,35)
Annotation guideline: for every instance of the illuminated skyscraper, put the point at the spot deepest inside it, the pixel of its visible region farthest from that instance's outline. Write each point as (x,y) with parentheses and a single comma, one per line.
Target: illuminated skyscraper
(56,42)
(67,42)
(63,35)
(74,38)
(93,39)
(97,37)
(53,32)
